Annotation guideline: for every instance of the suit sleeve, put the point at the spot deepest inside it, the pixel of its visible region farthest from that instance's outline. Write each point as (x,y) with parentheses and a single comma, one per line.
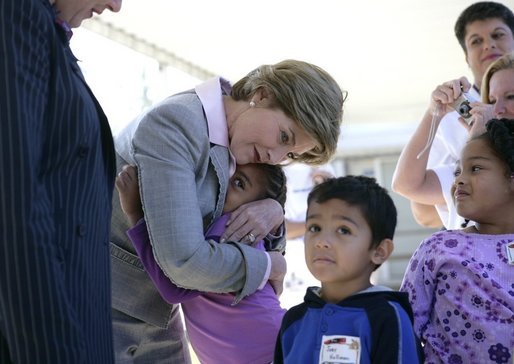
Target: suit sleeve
(165,142)
(168,290)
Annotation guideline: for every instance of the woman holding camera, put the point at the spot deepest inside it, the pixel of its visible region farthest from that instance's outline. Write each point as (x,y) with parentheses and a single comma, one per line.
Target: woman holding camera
(433,186)
(485,31)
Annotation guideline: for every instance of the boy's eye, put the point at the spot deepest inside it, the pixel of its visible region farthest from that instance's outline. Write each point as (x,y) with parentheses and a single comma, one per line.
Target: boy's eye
(476,168)
(344,231)
(313,229)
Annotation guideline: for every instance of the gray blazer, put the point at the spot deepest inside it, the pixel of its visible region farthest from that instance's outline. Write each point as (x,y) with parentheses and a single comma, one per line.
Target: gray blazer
(183,183)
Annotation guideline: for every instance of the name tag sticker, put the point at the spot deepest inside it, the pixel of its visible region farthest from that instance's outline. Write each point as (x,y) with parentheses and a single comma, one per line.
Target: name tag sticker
(340,349)
(510,252)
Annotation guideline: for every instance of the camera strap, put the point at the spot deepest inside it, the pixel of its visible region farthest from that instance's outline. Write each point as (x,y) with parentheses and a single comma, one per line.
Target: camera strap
(432,131)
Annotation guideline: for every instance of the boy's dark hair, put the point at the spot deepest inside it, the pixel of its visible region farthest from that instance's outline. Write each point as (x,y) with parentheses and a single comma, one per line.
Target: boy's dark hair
(482,11)
(374,201)
(276,183)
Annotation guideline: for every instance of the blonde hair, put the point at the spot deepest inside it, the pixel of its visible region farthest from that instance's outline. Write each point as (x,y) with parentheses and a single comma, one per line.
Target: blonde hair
(505,62)
(305,93)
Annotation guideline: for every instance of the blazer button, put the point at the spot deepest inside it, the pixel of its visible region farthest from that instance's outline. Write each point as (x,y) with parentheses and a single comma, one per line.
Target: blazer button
(82,152)
(81,230)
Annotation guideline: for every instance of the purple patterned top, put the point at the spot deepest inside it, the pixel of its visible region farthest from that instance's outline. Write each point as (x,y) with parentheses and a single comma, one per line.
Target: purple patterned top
(461,288)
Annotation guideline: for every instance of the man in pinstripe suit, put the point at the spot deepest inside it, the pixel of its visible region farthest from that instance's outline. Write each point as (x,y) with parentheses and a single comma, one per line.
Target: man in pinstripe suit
(57,172)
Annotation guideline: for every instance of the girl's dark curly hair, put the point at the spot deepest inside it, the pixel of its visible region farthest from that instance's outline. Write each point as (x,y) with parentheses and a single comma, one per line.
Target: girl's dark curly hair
(500,133)
(276,183)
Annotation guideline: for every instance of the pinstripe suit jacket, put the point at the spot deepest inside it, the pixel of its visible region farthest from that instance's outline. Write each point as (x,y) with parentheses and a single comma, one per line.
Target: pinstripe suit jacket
(57,172)
(183,179)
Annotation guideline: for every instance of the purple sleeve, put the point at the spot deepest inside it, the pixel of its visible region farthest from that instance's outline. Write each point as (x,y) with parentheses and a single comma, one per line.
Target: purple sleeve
(169,291)
(419,283)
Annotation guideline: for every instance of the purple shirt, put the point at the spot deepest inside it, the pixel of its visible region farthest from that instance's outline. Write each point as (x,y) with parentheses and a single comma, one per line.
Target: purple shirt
(219,331)
(461,288)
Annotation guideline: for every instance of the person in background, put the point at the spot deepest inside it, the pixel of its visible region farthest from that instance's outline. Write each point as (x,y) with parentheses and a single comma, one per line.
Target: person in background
(460,282)
(211,318)
(58,170)
(485,33)
(350,226)
(185,149)
(498,89)
(301,179)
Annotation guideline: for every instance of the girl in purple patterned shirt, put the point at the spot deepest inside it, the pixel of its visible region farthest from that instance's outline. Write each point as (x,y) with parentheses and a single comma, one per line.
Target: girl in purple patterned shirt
(461,282)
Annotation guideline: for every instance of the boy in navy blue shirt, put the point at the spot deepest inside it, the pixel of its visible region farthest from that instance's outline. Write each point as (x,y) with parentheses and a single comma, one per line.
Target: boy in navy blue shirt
(349,230)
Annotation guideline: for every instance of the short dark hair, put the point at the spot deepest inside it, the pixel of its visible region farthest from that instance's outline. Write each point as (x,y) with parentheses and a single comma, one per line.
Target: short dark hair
(482,11)
(374,201)
(276,186)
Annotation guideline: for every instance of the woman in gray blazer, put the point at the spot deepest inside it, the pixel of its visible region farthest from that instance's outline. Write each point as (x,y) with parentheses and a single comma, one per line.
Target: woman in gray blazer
(185,149)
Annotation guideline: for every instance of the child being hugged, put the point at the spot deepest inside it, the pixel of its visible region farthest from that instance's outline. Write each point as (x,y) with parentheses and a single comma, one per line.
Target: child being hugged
(461,282)
(219,331)
(349,230)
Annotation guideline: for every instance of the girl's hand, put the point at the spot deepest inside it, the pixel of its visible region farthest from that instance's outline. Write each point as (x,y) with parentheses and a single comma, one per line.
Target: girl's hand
(251,222)
(127,185)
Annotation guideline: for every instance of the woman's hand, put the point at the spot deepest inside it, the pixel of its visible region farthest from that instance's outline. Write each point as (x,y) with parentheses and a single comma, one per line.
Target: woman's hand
(251,222)
(278,272)
(444,95)
(480,115)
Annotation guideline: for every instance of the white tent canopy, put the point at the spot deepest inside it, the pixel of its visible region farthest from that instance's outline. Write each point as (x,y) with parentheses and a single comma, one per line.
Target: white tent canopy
(389,55)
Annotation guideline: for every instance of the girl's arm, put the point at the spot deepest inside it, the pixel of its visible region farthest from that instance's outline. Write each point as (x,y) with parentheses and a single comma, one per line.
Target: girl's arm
(418,284)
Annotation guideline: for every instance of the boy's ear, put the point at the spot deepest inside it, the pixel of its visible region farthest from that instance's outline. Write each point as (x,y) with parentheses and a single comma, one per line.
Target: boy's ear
(382,252)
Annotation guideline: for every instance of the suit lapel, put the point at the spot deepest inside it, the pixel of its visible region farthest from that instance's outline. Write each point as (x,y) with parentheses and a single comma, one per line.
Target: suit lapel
(220,160)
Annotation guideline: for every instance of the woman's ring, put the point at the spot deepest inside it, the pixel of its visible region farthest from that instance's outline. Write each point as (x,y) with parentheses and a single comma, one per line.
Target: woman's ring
(251,237)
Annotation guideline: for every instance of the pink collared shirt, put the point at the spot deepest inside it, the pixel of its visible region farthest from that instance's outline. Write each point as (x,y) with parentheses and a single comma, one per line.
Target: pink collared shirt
(211,94)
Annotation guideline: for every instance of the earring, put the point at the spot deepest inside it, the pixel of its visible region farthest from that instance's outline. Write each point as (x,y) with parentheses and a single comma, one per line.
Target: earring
(252,103)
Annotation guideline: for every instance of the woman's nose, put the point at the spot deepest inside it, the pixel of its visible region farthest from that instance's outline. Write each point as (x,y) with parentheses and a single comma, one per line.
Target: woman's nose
(499,108)
(489,43)
(277,155)
(114,5)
